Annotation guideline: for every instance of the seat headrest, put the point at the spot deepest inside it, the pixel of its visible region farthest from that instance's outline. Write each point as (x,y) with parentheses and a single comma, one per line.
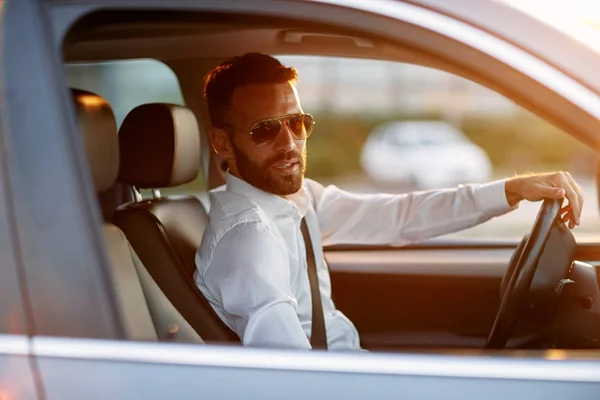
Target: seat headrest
(160,146)
(98,129)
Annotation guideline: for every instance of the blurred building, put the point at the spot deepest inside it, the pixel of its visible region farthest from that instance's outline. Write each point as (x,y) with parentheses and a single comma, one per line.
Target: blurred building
(355,85)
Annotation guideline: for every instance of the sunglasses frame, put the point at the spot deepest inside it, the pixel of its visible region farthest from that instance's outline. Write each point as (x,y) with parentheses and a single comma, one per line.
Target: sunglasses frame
(281,120)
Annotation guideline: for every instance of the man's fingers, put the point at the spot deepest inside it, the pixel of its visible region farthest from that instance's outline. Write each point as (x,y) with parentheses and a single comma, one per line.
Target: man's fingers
(547,191)
(567,216)
(578,191)
(562,180)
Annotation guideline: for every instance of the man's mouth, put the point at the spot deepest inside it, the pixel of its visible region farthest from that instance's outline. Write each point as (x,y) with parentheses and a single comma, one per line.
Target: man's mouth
(286,165)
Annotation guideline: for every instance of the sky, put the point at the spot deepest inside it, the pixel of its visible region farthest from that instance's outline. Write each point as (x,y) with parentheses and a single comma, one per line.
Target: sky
(579,19)
(587,11)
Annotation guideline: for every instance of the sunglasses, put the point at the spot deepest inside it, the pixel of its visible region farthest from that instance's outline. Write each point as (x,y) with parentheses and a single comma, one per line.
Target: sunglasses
(265,131)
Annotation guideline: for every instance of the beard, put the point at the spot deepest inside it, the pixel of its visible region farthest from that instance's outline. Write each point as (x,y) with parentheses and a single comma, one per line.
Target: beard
(266,178)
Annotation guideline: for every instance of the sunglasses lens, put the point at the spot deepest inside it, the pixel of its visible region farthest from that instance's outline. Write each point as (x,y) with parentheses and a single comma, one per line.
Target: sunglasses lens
(265,131)
(301,125)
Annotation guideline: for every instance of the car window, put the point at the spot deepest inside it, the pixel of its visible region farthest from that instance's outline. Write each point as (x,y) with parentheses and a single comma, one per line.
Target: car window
(128,84)
(401,127)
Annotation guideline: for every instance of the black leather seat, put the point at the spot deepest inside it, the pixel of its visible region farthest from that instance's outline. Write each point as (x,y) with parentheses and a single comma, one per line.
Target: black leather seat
(160,147)
(147,313)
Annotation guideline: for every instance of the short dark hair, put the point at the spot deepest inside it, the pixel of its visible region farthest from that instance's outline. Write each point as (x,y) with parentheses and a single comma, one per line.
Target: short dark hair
(249,69)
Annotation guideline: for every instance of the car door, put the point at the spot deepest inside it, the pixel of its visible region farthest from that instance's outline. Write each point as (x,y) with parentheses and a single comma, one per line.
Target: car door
(78,345)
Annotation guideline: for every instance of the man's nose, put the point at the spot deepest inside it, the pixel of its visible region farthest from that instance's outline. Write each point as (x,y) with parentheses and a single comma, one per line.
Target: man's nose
(284,141)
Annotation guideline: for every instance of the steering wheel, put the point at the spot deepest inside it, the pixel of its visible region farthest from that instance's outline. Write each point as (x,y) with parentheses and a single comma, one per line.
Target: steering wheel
(521,269)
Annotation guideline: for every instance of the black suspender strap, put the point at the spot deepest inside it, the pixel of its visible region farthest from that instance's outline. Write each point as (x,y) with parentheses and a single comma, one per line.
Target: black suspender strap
(318,336)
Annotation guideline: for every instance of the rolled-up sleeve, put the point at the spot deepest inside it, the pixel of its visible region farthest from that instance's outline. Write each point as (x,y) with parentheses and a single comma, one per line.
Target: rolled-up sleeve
(399,219)
(249,276)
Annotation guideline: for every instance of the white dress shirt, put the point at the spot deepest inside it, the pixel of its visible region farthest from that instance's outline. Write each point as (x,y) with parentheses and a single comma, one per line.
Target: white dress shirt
(251,265)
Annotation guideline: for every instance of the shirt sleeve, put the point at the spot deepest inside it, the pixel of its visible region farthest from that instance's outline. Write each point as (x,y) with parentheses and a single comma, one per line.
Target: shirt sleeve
(400,219)
(249,276)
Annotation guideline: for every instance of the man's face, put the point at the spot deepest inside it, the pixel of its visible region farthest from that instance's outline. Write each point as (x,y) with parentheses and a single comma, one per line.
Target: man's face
(277,167)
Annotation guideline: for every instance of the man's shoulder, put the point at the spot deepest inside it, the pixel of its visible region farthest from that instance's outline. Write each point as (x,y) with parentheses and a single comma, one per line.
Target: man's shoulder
(231,208)
(230,213)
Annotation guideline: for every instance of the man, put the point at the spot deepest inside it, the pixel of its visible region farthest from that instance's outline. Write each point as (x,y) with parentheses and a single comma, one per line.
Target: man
(252,263)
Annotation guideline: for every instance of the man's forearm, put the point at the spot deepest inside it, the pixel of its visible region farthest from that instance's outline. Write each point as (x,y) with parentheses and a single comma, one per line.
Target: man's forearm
(397,220)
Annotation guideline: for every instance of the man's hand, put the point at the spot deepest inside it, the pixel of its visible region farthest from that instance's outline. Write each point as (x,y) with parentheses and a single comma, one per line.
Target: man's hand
(554,185)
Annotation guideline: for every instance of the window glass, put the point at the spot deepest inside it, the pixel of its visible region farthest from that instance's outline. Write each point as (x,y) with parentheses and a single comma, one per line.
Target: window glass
(399,127)
(128,84)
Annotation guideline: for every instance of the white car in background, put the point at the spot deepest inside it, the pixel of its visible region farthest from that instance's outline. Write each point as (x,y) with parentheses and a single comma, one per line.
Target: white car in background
(424,155)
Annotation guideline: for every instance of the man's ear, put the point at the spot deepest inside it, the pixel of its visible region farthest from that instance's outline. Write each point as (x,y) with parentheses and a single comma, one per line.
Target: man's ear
(221,143)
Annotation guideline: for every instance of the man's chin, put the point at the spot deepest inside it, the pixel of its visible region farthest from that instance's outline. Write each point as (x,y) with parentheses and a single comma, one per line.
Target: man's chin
(285,186)
(274,182)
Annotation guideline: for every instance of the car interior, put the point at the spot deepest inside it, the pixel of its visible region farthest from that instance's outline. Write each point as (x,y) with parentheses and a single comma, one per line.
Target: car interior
(450,295)
(146,311)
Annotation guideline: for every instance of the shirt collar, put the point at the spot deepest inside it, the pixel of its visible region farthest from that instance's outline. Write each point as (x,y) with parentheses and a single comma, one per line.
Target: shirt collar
(271,204)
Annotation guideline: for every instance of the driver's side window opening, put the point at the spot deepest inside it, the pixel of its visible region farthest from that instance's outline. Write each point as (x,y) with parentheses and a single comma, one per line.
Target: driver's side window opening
(398,127)
(128,84)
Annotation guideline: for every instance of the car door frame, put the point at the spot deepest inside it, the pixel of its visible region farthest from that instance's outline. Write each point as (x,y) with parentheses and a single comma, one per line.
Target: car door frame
(52,176)
(19,373)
